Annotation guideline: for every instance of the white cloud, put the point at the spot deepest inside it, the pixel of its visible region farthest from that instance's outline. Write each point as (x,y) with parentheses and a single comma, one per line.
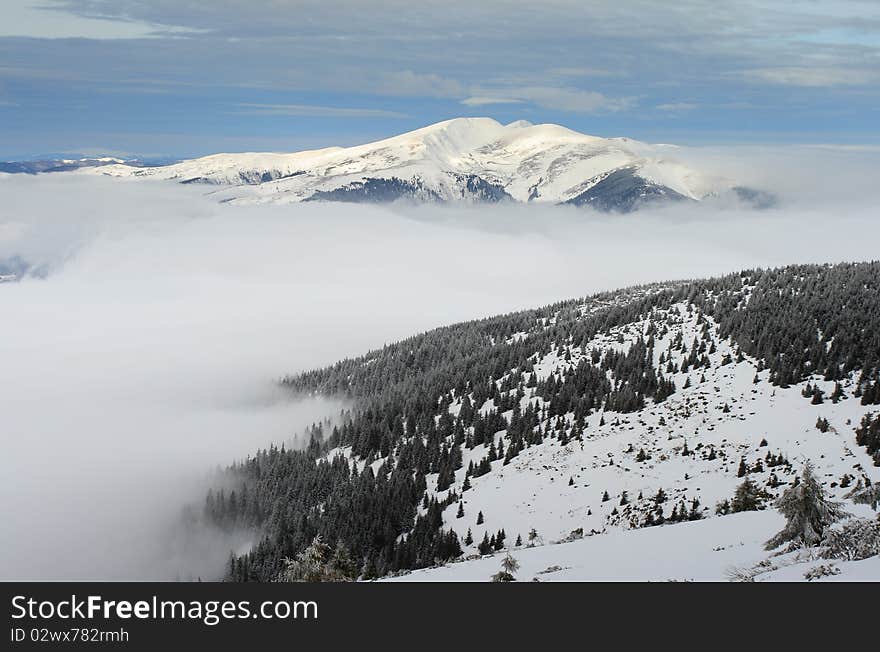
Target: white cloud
(811,76)
(482,100)
(50,19)
(413,84)
(317,111)
(550,97)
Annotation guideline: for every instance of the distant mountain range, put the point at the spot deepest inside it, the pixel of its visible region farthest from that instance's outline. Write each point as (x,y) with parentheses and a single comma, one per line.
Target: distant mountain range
(41,166)
(465,159)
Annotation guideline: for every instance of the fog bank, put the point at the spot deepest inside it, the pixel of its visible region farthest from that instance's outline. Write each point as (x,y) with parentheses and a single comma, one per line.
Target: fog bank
(149,354)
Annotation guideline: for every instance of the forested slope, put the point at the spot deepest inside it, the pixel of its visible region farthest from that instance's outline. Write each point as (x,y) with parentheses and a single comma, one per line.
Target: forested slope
(629,389)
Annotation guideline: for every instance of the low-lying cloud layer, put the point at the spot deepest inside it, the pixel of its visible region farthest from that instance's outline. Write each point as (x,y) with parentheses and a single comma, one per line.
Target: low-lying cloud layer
(148,355)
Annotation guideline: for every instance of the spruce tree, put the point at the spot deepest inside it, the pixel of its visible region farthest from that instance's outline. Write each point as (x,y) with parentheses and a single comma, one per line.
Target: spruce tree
(807,512)
(509,566)
(748,497)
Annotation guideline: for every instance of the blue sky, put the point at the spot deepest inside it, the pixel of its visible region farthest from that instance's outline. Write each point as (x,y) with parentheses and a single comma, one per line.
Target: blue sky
(180,78)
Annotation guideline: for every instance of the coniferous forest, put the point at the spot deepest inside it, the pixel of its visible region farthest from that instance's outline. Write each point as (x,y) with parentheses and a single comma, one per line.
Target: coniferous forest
(382,516)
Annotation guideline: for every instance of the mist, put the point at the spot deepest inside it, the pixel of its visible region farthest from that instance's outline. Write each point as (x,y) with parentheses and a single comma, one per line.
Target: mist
(149,354)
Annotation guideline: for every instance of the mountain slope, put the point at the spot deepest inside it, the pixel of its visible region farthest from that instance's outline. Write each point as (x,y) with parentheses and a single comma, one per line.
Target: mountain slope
(709,550)
(465,159)
(642,408)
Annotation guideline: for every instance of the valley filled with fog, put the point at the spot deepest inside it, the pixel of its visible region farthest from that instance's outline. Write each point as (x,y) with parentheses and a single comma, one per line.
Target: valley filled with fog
(147,352)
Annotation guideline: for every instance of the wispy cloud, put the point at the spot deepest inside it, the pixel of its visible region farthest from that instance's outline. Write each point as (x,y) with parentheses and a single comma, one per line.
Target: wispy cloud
(312,110)
(583,71)
(413,84)
(52,19)
(549,97)
(677,106)
(485,100)
(810,76)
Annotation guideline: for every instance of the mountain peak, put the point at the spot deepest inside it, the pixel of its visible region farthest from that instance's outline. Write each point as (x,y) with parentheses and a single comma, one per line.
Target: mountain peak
(467,158)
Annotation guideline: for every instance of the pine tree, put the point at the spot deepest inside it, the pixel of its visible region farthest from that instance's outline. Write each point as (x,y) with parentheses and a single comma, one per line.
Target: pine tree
(695,514)
(315,564)
(748,497)
(723,507)
(368,571)
(480,518)
(342,566)
(460,512)
(533,535)
(499,540)
(807,511)
(509,566)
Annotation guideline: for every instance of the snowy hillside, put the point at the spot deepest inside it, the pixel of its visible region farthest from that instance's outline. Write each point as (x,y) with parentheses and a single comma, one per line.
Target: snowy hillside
(689,447)
(710,550)
(466,159)
(639,434)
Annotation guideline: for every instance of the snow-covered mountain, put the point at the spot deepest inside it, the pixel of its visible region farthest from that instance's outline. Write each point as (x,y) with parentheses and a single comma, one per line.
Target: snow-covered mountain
(465,159)
(43,166)
(642,434)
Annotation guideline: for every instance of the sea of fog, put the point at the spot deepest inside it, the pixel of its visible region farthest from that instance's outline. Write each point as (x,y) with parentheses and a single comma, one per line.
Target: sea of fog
(148,355)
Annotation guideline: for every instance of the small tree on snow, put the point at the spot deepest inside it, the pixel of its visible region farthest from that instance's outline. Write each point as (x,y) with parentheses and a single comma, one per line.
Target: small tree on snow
(319,563)
(533,536)
(807,511)
(869,495)
(509,566)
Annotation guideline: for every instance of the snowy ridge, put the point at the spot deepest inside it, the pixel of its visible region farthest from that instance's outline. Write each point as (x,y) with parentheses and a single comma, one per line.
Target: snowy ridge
(470,159)
(642,434)
(690,446)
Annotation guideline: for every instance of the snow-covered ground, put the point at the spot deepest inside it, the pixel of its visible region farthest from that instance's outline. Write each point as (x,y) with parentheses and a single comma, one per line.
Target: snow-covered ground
(709,550)
(690,446)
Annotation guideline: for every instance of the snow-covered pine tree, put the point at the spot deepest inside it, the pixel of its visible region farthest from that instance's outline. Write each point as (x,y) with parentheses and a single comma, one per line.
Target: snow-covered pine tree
(866,495)
(317,564)
(509,566)
(807,511)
